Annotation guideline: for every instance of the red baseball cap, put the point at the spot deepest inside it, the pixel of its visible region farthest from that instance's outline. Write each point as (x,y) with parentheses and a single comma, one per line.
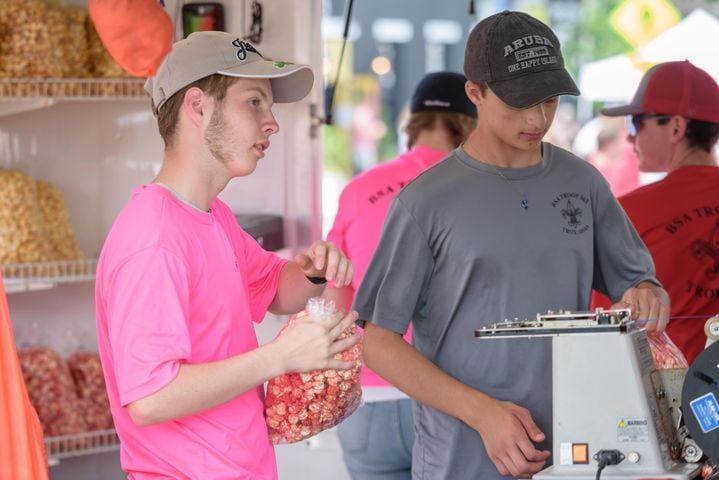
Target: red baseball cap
(674,88)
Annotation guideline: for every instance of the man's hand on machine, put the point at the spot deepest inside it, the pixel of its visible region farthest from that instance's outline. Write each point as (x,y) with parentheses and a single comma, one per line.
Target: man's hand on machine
(509,434)
(649,303)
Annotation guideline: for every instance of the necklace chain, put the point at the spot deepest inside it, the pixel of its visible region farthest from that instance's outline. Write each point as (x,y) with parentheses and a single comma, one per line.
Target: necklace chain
(523,200)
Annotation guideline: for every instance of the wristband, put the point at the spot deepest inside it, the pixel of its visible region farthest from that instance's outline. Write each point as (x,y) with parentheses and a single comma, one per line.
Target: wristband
(316,280)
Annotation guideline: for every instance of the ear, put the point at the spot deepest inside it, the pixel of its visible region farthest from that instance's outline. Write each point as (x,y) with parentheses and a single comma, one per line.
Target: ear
(474,93)
(195,105)
(678,128)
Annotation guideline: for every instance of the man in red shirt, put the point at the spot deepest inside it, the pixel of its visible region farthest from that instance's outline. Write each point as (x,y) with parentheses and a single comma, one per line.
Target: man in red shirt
(674,128)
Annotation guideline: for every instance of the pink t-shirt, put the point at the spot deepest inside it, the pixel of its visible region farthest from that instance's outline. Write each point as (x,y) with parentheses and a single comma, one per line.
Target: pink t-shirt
(622,173)
(363,206)
(176,285)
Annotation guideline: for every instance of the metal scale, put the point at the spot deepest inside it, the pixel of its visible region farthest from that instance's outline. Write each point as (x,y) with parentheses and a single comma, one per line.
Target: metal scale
(615,415)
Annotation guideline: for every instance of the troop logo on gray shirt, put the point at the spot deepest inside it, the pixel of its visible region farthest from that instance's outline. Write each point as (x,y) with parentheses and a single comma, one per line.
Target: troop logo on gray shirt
(570,207)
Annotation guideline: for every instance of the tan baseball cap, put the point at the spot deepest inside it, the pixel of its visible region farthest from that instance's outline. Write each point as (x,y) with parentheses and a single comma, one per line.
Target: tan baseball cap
(202,54)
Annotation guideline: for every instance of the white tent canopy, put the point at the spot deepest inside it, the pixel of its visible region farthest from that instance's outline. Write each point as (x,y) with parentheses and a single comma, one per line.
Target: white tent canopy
(694,38)
(612,79)
(615,79)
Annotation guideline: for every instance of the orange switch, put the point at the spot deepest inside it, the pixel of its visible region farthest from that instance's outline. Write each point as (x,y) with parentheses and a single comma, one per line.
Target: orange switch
(580,453)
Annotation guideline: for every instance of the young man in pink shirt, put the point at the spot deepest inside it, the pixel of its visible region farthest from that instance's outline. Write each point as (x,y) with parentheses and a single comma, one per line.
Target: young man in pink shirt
(179,283)
(377,439)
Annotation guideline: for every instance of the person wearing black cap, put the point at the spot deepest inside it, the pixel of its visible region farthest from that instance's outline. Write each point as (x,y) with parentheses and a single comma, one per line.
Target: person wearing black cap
(377,439)
(674,127)
(506,226)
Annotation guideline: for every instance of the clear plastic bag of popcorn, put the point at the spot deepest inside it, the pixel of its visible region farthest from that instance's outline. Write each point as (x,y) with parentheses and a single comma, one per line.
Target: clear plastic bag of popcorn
(101,63)
(23,236)
(57,30)
(51,390)
(300,405)
(67,27)
(86,371)
(25,42)
(666,354)
(58,227)
(76,51)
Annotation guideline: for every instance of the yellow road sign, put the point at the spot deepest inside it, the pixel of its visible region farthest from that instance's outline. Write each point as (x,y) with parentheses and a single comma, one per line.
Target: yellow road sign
(639,21)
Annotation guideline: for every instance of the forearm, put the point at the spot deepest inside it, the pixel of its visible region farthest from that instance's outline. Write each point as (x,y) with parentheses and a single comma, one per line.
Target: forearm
(405,367)
(197,388)
(341,296)
(293,291)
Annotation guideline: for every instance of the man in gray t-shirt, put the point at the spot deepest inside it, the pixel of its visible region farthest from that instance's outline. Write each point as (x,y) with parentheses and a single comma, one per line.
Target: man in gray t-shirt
(506,226)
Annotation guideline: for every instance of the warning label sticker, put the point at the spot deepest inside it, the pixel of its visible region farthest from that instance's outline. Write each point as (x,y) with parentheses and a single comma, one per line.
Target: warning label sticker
(632,430)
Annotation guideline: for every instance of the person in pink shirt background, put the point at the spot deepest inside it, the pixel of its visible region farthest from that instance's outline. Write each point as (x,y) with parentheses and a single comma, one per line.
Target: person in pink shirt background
(377,439)
(179,283)
(615,157)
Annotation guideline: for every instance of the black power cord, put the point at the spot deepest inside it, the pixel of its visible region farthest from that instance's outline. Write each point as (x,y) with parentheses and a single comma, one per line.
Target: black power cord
(605,458)
(333,87)
(600,467)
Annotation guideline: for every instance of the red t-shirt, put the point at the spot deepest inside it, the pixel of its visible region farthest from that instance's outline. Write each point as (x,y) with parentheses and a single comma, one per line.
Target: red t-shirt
(678,219)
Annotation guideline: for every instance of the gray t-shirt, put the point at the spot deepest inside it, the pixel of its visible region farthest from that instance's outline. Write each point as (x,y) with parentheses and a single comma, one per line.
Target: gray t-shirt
(458,251)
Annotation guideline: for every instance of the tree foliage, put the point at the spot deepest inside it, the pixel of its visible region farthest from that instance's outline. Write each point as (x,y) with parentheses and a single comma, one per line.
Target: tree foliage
(593,37)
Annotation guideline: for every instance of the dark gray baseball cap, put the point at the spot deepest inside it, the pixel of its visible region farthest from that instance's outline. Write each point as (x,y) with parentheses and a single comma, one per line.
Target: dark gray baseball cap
(205,53)
(520,59)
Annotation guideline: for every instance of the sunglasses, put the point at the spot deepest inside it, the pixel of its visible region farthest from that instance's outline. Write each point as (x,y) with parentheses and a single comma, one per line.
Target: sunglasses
(637,121)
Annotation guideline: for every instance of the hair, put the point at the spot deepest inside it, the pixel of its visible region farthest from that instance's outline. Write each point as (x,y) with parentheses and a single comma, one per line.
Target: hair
(215,85)
(610,131)
(702,134)
(483,87)
(458,125)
